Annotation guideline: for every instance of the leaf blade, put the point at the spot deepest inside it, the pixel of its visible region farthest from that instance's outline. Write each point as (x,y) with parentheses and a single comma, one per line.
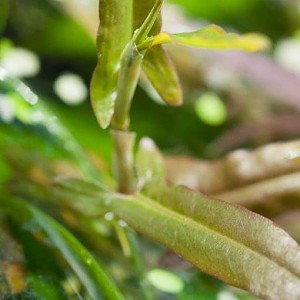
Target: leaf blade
(162,74)
(214,37)
(229,242)
(213,253)
(114,33)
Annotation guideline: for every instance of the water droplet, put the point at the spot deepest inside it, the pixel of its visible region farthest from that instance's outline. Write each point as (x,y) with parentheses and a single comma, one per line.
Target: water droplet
(109,216)
(122,223)
(26,93)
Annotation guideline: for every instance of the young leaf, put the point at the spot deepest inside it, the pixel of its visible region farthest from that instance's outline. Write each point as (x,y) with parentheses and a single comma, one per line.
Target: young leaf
(233,244)
(141,10)
(156,64)
(149,162)
(80,260)
(147,26)
(162,74)
(214,37)
(114,33)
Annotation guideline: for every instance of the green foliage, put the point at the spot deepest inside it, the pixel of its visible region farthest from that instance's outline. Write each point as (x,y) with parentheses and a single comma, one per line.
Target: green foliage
(219,238)
(114,33)
(214,37)
(63,233)
(80,260)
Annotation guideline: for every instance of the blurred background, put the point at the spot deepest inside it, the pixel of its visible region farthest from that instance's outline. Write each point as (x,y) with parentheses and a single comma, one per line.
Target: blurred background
(232,100)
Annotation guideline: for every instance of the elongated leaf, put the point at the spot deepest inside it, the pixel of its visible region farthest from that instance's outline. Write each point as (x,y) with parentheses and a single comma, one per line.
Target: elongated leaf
(214,37)
(141,10)
(149,23)
(114,33)
(162,74)
(80,260)
(156,64)
(226,241)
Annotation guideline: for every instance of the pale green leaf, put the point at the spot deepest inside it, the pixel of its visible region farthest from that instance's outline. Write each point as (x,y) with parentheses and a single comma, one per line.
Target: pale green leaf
(115,31)
(214,37)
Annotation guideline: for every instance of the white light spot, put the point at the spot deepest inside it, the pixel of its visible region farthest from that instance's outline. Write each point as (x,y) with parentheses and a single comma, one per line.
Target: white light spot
(3,74)
(7,113)
(20,62)
(147,143)
(293,154)
(71,89)
(287,54)
(225,295)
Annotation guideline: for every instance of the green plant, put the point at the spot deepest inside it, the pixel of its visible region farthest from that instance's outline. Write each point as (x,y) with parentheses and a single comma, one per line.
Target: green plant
(226,241)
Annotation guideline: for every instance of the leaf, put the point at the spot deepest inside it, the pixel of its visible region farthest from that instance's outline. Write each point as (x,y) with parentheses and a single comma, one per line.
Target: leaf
(235,245)
(141,10)
(30,109)
(114,33)
(156,64)
(162,74)
(214,37)
(149,162)
(92,276)
(149,23)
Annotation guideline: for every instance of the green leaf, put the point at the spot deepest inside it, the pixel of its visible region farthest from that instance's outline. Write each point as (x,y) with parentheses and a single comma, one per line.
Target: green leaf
(92,276)
(141,10)
(156,64)
(162,74)
(114,33)
(149,162)
(147,26)
(214,37)
(226,241)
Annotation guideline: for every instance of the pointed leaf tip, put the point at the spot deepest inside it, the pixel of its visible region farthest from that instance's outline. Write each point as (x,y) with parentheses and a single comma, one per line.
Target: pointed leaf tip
(214,37)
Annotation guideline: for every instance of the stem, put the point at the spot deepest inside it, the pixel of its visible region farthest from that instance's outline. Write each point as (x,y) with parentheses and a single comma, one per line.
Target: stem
(123,160)
(129,74)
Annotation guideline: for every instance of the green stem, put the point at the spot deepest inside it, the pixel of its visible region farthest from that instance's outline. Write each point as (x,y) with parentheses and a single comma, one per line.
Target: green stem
(123,160)
(129,74)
